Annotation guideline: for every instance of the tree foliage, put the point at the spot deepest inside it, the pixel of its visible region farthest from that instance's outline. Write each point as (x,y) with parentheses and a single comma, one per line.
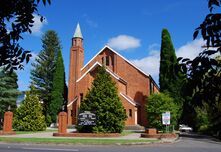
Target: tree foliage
(16,18)
(44,68)
(170,77)
(202,118)
(58,89)
(156,105)
(8,92)
(167,63)
(29,116)
(103,99)
(203,72)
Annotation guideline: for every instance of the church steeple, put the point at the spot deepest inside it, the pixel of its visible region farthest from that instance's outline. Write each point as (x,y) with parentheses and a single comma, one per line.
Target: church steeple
(77,39)
(77,33)
(76,63)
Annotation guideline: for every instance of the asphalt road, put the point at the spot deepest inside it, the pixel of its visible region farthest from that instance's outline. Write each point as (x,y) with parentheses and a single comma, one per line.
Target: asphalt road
(184,144)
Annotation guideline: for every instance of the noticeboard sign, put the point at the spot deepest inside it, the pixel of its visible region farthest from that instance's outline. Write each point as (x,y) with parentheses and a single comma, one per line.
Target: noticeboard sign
(166,118)
(86,118)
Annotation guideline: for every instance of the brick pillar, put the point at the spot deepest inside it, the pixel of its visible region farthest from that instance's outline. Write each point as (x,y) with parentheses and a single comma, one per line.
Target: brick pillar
(151,131)
(7,126)
(62,122)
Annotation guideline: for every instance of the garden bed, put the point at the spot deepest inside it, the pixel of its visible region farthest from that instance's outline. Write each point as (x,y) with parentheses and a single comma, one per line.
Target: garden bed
(159,136)
(7,133)
(87,134)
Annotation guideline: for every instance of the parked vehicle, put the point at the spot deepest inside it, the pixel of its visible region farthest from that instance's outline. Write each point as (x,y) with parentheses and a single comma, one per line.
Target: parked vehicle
(185,128)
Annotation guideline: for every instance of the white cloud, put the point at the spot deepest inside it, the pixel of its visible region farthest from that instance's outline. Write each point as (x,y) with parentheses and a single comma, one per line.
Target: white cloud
(123,42)
(151,63)
(190,49)
(154,46)
(38,25)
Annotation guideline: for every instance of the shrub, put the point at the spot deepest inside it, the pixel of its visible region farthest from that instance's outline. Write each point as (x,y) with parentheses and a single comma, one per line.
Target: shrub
(103,99)
(158,104)
(29,116)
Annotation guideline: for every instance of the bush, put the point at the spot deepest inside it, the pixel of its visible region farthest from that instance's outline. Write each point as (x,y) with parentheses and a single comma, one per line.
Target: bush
(29,116)
(158,104)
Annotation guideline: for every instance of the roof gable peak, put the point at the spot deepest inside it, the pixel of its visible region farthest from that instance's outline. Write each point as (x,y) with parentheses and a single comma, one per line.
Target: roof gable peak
(108,47)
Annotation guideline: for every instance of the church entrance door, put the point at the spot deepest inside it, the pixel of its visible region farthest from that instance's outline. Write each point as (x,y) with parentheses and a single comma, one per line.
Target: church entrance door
(135,115)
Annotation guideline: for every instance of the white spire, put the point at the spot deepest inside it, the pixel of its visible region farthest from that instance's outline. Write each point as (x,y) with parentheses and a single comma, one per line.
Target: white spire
(77,32)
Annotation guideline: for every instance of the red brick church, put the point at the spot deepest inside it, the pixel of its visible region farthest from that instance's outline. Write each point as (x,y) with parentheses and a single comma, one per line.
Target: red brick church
(134,85)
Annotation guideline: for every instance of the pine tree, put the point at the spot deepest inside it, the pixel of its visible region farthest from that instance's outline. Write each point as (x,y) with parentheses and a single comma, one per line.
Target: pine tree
(43,69)
(103,99)
(8,92)
(29,116)
(58,88)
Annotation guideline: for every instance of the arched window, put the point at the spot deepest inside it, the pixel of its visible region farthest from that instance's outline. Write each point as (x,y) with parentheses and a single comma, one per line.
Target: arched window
(130,112)
(107,61)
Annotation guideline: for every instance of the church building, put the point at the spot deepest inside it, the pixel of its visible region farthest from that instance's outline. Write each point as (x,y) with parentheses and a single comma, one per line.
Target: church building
(134,85)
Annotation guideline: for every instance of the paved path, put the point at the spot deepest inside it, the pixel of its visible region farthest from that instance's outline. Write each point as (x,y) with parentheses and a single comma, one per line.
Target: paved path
(50,135)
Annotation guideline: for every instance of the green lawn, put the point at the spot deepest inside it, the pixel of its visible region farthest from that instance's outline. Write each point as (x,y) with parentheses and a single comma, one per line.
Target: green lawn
(126,132)
(75,141)
(55,140)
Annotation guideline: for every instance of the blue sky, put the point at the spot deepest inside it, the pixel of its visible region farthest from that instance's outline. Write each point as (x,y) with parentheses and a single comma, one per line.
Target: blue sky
(131,27)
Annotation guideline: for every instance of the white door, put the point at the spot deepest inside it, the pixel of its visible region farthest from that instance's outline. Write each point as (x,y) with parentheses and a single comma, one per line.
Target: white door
(135,116)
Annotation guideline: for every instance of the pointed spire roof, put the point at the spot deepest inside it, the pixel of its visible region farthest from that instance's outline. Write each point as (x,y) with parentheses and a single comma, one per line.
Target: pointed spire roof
(77,33)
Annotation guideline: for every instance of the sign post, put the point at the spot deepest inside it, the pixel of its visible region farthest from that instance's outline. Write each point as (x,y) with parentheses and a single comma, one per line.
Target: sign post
(166,120)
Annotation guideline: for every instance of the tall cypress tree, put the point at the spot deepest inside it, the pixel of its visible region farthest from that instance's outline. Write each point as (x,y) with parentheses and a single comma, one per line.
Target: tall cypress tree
(103,99)
(8,92)
(168,60)
(43,69)
(170,78)
(58,89)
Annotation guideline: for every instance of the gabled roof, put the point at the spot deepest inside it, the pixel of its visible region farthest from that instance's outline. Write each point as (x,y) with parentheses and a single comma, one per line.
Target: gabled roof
(118,55)
(129,99)
(99,64)
(75,99)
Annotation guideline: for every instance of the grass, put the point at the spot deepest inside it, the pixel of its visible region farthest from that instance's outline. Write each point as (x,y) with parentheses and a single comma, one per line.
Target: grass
(75,141)
(94,141)
(126,132)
